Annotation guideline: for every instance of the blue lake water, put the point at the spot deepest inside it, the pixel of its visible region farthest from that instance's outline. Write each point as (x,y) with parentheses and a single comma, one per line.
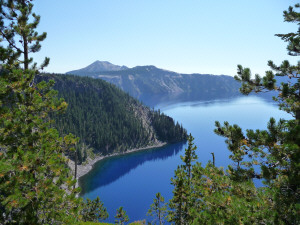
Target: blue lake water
(132,180)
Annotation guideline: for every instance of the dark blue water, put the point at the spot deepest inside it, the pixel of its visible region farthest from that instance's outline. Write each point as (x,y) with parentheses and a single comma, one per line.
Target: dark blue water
(133,180)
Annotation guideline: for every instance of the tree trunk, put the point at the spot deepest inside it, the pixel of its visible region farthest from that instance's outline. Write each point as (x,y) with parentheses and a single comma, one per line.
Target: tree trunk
(25,43)
(213,155)
(25,52)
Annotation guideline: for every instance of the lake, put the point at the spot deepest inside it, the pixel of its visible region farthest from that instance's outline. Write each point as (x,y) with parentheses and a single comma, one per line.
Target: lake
(132,180)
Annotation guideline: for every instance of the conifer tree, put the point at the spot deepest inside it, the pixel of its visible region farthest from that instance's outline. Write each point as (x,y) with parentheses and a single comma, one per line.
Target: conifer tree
(93,211)
(36,186)
(182,201)
(33,171)
(35,183)
(271,155)
(275,150)
(158,210)
(18,29)
(121,217)
(189,157)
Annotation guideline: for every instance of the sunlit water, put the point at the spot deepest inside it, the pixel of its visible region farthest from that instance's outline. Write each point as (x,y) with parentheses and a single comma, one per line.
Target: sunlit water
(133,180)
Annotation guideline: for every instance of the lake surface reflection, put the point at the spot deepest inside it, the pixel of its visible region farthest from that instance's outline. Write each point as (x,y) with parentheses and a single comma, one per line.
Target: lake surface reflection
(133,180)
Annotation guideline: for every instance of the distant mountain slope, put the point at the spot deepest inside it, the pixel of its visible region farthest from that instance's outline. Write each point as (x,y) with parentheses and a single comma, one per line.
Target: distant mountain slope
(108,120)
(148,83)
(97,66)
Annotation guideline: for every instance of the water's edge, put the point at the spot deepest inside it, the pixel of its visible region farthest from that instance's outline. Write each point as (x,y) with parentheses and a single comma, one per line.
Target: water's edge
(88,165)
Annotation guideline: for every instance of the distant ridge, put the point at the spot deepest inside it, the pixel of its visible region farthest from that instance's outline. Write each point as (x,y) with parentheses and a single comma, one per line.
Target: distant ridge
(152,85)
(98,66)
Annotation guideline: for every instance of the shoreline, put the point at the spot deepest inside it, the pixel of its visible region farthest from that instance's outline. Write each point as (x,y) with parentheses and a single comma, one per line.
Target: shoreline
(88,166)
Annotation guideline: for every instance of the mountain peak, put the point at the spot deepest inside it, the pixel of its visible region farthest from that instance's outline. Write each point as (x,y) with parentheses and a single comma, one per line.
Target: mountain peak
(98,66)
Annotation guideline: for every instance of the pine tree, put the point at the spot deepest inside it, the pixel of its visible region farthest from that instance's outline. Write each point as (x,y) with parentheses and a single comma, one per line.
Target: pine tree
(182,182)
(275,150)
(36,185)
(189,157)
(158,210)
(33,171)
(94,211)
(19,33)
(121,217)
(216,196)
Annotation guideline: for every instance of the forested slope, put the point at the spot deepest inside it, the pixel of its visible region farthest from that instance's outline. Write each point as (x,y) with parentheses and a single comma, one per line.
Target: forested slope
(108,120)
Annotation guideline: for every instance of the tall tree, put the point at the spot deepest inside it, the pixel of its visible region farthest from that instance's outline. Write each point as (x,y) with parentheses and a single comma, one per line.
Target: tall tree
(121,217)
(158,210)
(276,151)
(94,210)
(18,29)
(182,182)
(271,155)
(35,183)
(33,172)
(36,186)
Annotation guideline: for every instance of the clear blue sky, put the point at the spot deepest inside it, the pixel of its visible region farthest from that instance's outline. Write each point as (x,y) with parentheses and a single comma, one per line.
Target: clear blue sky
(188,36)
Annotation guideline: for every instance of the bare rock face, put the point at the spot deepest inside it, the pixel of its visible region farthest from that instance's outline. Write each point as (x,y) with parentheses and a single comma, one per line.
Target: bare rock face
(143,113)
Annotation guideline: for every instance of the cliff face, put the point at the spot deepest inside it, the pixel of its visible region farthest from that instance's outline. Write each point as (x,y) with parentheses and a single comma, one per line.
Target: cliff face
(148,82)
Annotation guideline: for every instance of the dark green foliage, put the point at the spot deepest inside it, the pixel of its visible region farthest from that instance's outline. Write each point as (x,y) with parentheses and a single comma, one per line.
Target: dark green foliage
(121,217)
(100,115)
(108,120)
(36,185)
(34,178)
(212,196)
(218,199)
(182,201)
(158,210)
(166,129)
(18,28)
(275,150)
(216,196)
(189,157)
(93,211)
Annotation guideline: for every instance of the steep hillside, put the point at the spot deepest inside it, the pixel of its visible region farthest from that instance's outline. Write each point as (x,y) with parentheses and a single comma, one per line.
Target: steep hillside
(149,83)
(108,120)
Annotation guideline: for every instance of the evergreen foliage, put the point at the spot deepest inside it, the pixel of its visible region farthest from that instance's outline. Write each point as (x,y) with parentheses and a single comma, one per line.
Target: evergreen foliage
(166,129)
(106,119)
(18,29)
(216,196)
(93,211)
(121,217)
(182,193)
(33,175)
(36,186)
(158,210)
